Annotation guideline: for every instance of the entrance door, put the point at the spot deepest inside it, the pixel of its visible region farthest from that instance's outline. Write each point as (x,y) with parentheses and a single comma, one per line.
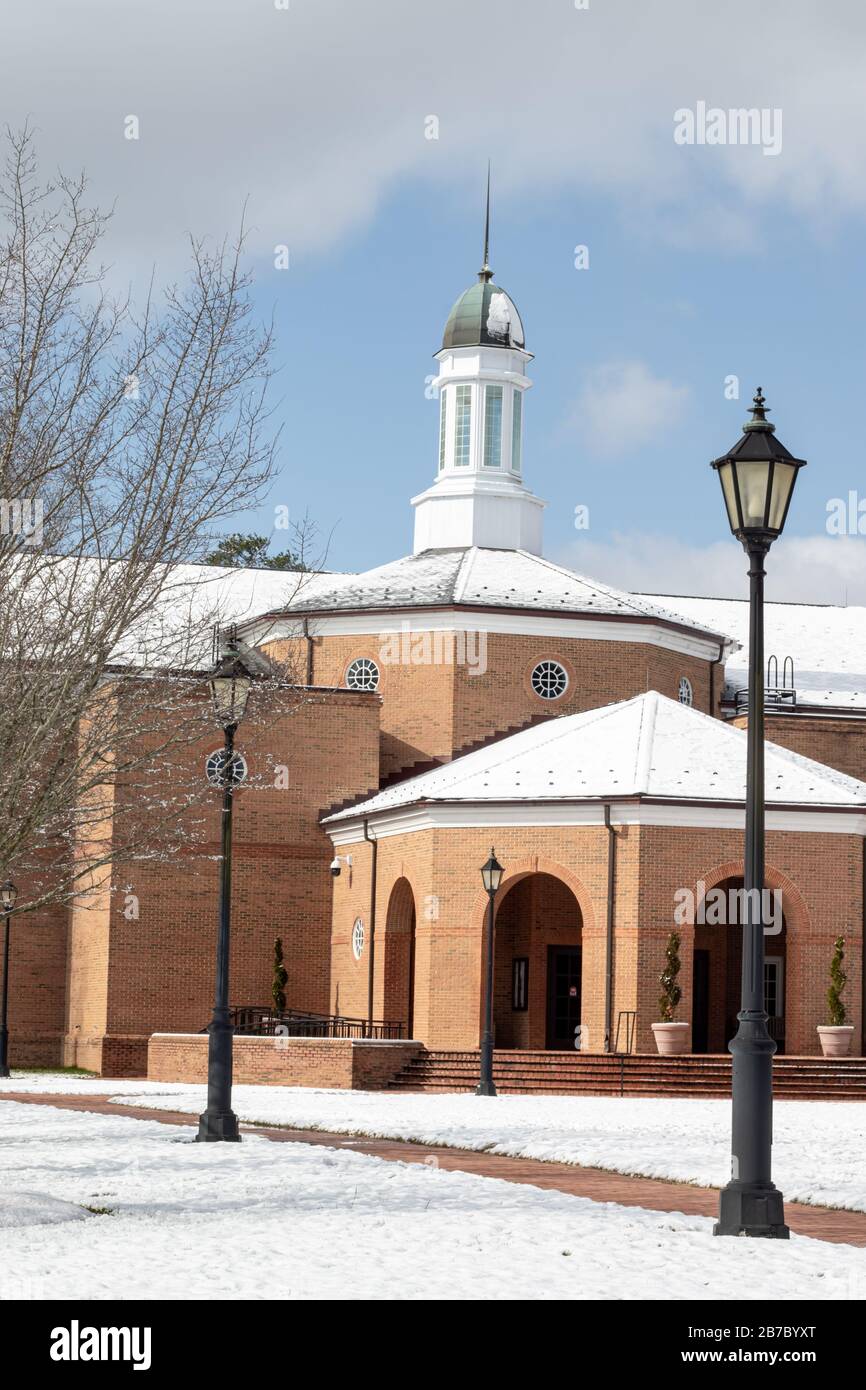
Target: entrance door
(563,996)
(701,1001)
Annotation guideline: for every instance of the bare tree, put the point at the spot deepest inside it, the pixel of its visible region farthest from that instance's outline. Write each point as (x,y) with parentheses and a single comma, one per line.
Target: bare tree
(126,436)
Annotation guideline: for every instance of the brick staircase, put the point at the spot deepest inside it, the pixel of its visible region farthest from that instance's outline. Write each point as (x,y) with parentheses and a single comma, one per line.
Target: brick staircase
(518,1072)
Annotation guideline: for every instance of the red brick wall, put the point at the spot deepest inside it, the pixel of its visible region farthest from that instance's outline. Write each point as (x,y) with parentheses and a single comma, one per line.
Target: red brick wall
(332,1062)
(432,709)
(819,874)
(600,673)
(417,701)
(145,961)
(37,982)
(840,743)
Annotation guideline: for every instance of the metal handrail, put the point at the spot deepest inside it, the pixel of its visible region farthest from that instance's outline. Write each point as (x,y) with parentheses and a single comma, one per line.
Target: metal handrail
(775,697)
(262,1021)
(630,1016)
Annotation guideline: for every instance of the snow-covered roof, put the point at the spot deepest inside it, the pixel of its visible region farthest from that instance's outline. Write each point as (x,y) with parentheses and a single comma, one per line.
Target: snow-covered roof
(198,596)
(826,643)
(177,631)
(649,747)
(476,577)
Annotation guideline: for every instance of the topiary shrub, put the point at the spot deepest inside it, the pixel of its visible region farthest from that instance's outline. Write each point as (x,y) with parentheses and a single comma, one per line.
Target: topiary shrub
(671,993)
(838,979)
(281,975)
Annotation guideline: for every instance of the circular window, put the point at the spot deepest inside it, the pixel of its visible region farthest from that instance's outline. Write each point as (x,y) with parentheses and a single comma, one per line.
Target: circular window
(549,680)
(685,691)
(215,767)
(363,674)
(357,938)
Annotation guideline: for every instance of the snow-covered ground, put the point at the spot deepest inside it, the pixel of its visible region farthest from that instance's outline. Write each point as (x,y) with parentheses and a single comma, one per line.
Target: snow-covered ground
(818,1153)
(173,1219)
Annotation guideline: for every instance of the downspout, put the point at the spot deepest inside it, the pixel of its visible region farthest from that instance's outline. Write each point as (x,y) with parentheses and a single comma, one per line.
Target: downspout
(309,641)
(373,870)
(713,665)
(608,963)
(862,963)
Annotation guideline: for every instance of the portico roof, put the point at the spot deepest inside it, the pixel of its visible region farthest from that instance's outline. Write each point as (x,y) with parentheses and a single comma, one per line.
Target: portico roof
(649,747)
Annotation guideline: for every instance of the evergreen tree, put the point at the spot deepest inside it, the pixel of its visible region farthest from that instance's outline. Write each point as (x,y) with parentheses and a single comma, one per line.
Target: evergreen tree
(251,552)
(281,975)
(838,980)
(671,992)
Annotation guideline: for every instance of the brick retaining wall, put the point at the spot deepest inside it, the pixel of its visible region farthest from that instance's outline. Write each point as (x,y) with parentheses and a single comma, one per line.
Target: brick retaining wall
(343,1063)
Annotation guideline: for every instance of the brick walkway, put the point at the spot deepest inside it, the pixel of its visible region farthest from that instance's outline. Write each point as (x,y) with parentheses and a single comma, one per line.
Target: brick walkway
(822,1223)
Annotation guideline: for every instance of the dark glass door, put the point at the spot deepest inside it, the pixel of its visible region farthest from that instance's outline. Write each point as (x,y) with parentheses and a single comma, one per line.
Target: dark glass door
(563,996)
(701,1001)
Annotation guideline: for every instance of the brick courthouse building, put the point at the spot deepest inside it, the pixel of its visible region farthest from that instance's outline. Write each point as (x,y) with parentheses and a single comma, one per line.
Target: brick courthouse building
(474,693)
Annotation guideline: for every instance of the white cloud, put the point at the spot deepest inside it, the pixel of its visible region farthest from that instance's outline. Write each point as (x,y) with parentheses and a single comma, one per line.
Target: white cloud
(317,111)
(621,406)
(800,569)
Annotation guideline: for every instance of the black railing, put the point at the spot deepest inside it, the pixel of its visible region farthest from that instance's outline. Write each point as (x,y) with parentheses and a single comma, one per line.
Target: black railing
(626,1025)
(298,1023)
(775,697)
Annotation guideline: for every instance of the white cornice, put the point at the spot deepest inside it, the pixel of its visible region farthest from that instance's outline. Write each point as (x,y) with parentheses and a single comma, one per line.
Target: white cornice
(489,620)
(407,820)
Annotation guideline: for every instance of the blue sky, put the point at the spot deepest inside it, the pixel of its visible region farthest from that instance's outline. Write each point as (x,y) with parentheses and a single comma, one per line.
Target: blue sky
(358,326)
(705,260)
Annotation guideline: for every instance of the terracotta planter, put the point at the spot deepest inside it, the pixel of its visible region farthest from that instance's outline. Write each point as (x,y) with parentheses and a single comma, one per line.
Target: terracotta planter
(835,1039)
(671,1038)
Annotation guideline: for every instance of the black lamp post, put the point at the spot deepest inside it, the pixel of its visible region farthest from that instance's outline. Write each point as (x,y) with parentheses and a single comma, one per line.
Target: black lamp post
(230,687)
(757,478)
(8,896)
(491,877)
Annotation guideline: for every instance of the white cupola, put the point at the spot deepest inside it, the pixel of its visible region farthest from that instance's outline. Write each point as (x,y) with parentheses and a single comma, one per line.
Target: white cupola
(478,497)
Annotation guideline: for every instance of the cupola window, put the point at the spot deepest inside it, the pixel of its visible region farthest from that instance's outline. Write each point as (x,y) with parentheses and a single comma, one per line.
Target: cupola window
(684,691)
(516,430)
(443,417)
(462,426)
(493,427)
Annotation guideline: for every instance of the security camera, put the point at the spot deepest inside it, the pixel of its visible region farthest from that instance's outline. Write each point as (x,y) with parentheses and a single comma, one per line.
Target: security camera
(335,867)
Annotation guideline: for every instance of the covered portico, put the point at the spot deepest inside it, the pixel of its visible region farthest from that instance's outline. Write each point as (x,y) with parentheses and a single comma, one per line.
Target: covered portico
(612,826)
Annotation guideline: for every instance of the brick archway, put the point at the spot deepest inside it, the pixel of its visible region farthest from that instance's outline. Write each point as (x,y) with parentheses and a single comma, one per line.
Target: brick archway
(716,961)
(797,913)
(537,864)
(398,956)
(540,920)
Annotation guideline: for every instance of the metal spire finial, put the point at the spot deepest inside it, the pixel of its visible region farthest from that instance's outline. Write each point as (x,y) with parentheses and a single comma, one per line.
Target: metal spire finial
(759,410)
(485,273)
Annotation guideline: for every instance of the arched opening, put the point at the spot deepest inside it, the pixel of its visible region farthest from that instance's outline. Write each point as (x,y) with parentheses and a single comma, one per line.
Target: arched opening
(718,962)
(398,958)
(537,996)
